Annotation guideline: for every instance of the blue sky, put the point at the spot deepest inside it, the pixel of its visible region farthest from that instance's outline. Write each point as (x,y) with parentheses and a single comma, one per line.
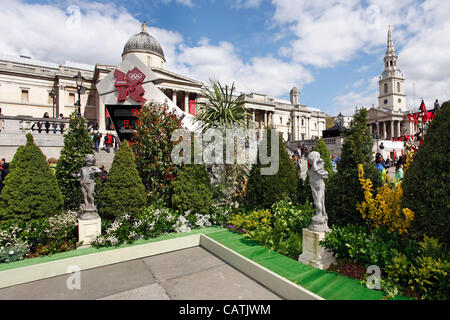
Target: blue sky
(331,50)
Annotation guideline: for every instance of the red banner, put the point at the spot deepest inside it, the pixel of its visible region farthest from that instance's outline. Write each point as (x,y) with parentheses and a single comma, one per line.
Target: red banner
(192,107)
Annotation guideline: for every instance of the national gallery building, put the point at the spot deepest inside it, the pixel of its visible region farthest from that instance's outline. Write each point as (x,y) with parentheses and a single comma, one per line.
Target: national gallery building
(30,88)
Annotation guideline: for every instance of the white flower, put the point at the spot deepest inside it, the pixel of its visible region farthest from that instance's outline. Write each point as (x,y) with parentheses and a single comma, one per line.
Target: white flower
(11,252)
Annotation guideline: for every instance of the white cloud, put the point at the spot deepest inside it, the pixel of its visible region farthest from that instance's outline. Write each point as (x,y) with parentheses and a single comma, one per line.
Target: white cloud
(266,75)
(96,33)
(331,32)
(247,4)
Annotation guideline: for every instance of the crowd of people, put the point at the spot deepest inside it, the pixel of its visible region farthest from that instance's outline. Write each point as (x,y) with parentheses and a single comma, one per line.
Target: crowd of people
(384,165)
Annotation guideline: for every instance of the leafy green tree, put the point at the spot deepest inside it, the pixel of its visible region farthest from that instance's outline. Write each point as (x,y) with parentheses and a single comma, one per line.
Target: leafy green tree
(221,109)
(343,190)
(192,189)
(123,192)
(31,190)
(152,147)
(77,144)
(264,190)
(426,185)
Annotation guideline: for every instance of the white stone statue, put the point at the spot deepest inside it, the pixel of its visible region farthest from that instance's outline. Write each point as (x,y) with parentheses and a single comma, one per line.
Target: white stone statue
(317,174)
(87,174)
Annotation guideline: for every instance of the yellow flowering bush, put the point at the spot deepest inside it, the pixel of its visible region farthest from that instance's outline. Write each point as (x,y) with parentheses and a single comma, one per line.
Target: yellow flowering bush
(385,208)
(255,220)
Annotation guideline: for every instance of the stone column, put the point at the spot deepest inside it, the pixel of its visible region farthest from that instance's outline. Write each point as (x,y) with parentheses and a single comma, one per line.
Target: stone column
(384,130)
(61,101)
(186,102)
(392,129)
(270,118)
(265,119)
(101,116)
(254,115)
(293,126)
(174,96)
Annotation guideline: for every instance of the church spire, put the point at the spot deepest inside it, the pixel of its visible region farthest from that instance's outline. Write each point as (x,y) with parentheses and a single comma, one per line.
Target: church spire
(390,51)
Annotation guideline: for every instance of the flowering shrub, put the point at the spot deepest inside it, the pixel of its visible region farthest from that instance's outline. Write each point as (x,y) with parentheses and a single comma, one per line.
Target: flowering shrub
(41,236)
(385,209)
(11,254)
(151,222)
(152,146)
(279,229)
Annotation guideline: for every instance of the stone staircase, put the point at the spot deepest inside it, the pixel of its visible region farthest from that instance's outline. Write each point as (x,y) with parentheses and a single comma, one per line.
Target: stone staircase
(104,158)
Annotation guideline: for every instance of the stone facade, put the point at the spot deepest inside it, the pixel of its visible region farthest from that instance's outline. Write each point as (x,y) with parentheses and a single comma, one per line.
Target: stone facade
(26,85)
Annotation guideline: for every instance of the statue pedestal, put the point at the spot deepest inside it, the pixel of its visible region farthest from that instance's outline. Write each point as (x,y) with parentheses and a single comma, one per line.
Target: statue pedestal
(88,230)
(313,253)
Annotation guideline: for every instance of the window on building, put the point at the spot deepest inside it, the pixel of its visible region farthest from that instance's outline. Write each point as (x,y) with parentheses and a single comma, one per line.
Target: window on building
(391,63)
(50,99)
(90,101)
(303,122)
(398,86)
(24,95)
(385,88)
(71,99)
(281,120)
(387,65)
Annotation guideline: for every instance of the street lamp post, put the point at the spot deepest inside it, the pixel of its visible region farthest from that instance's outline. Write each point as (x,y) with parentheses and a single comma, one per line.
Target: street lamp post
(53,95)
(80,89)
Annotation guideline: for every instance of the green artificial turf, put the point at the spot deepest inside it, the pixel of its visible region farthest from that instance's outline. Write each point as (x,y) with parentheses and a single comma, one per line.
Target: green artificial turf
(327,284)
(85,251)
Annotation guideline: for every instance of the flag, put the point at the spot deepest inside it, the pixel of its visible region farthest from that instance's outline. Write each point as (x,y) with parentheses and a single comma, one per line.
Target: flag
(422,107)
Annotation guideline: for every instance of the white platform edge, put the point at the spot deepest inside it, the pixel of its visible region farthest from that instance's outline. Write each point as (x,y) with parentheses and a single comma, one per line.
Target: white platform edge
(281,286)
(94,260)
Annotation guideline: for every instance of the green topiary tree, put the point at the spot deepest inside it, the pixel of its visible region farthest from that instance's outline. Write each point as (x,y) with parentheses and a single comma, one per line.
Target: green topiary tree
(426,184)
(343,190)
(322,148)
(192,189)
(264,190)
(31,190)
(152,147)
(123,192)
(77,144)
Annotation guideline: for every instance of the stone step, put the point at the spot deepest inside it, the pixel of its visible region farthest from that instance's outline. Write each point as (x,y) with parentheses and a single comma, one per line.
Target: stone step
(104,158)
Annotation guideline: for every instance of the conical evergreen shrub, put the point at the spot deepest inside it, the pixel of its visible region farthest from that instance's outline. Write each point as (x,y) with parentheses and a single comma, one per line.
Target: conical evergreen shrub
(77,144)
(322,148)
(123,192)
(343,190)
(31,190)
(192,189)
(426,185)
(265,190)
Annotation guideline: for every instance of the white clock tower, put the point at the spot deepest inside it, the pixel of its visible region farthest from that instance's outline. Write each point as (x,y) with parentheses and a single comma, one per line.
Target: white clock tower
(392,82)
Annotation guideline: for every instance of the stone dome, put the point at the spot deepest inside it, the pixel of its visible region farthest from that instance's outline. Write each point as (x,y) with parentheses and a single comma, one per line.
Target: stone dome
(143,42)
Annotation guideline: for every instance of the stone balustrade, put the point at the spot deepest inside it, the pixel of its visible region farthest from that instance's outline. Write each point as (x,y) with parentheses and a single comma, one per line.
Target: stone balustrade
(48,134)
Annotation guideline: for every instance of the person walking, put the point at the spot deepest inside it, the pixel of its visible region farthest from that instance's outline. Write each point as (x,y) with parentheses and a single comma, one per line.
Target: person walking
(108,142)
(96,139)
(399,173)
(4,171)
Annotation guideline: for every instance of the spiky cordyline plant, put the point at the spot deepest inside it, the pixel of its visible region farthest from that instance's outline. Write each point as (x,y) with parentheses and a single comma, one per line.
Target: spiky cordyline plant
(221,110)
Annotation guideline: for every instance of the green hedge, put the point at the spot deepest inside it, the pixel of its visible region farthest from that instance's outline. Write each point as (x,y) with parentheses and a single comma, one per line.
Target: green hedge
(426,185)
(123,192)
(31,190)
(265,190)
